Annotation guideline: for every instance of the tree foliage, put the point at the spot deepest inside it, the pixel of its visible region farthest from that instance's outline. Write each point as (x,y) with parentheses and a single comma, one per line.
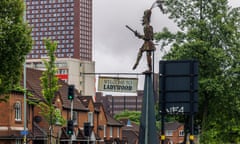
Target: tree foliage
(49,83)
(133,116)
(209,32)
(15,43)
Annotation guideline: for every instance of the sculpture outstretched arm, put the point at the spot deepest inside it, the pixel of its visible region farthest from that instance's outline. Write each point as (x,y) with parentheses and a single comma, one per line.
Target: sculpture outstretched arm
(137,34)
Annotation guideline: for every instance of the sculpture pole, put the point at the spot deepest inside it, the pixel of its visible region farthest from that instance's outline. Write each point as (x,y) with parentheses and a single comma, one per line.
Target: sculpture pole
(148,133)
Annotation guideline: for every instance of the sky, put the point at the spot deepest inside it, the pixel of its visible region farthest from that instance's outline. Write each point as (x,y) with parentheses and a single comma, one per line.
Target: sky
(115,48)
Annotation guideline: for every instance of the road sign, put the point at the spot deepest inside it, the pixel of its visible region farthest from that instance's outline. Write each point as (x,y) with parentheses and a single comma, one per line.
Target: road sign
(178,81)
(117,84)
(24,132)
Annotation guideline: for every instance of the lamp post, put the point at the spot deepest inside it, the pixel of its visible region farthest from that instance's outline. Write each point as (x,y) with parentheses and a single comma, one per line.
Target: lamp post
(25,105)
(25,90)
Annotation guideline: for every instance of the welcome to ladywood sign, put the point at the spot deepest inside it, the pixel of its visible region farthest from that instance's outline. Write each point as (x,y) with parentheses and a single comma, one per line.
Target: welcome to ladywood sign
(117,84)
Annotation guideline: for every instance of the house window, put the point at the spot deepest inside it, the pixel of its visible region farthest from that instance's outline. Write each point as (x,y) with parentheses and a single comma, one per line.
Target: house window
(18,141)
(75,115)
(90,118)
(18,108)
(104,131)
(118,132)
(181,133)
(110,132)
(169,132)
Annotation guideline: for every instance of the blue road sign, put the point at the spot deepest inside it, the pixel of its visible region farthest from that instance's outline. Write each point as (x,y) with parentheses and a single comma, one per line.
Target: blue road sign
(24,132)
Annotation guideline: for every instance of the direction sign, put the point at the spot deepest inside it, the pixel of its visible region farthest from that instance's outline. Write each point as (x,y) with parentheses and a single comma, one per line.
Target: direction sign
(178,81)
(24,132)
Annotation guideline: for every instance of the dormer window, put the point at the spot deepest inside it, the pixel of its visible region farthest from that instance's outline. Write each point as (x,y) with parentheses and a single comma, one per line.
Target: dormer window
(18,109)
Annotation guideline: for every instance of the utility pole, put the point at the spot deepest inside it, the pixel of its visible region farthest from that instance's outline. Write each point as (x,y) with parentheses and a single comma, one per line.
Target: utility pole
(71,118)
(24,85)
(25,105)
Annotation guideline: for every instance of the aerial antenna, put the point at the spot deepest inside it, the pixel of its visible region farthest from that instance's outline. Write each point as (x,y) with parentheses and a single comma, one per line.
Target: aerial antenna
(158,3)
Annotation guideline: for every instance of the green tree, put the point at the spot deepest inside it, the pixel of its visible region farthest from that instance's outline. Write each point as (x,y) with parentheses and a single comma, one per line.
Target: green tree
(15,43)
(209,32)
(49,83)
(133,116)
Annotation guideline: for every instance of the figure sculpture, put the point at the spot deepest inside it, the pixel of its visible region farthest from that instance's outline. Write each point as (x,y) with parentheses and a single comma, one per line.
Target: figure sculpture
(148,45)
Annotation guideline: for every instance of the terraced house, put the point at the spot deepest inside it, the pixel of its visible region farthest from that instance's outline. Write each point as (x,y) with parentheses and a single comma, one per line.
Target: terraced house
(104,128)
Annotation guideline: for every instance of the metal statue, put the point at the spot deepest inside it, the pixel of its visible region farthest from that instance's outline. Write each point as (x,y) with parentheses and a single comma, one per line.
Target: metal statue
(148,45)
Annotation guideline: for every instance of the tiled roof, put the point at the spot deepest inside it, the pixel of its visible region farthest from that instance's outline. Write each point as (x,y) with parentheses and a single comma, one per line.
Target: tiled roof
(130,132)
(65,136)
(111,121)
(172,125)
(132,127)
(97,106)
(77,104)
(131,136)
(85,100)
(33,84)
(38,132)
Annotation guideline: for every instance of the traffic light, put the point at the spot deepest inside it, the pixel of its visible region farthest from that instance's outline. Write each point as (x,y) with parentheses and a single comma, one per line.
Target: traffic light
(70,127)
(71,92)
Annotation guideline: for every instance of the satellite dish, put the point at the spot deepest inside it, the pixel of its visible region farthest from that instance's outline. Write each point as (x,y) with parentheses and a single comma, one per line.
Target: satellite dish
(37,119)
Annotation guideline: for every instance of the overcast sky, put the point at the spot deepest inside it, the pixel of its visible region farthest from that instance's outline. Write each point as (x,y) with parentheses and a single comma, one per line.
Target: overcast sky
(114,46)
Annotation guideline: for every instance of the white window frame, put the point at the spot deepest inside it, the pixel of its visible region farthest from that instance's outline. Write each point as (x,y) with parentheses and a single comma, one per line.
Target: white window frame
(110,131)
(181,133)
(90,118)
(169,132)
(18,111)
(18,141)
(104,131)
(118,132)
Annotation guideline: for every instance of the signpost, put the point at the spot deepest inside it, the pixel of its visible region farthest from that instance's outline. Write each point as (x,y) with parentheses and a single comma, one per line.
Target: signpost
(178,81)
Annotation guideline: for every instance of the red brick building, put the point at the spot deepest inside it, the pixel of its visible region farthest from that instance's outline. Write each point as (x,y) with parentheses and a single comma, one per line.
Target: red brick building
(69,22)
(105,129)
(174,132)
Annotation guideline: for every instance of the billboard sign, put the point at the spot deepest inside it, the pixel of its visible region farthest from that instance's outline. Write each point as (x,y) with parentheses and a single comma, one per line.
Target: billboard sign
(117,84)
